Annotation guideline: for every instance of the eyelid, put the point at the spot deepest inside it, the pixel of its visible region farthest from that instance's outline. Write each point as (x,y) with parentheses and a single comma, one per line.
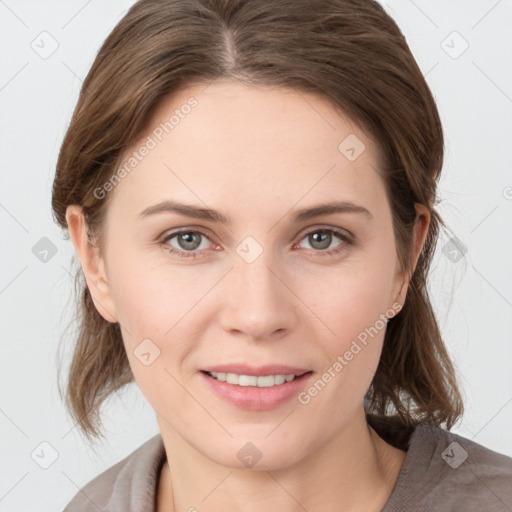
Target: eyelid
(302,233)
(168,235)
(326,227)
(188,229)
(346,237)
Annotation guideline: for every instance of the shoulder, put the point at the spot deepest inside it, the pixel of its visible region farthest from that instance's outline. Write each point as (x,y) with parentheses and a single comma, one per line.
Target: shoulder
(129,485)
(445,471)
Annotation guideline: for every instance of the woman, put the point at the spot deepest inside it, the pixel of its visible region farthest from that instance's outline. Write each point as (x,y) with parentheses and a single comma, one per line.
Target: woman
(250,188)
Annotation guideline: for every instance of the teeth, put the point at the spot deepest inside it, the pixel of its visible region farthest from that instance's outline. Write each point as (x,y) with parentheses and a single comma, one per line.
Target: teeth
(266,381)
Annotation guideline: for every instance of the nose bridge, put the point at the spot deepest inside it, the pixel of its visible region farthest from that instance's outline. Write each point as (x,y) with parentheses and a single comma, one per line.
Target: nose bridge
(259,303)
(259,278)
(254,265)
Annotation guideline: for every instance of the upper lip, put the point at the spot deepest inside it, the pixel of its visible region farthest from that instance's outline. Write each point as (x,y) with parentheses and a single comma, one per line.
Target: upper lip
(245,369)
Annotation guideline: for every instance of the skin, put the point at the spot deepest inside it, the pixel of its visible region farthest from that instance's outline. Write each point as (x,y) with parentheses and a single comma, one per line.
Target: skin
(272,151)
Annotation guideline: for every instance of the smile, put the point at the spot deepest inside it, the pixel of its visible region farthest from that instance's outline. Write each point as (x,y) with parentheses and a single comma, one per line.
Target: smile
(262,381)
(256,392)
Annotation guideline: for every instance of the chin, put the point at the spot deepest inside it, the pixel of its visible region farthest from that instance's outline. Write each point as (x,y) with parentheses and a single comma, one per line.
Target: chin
(258,453)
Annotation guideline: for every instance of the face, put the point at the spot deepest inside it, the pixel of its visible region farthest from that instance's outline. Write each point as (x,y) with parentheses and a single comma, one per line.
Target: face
(251,279)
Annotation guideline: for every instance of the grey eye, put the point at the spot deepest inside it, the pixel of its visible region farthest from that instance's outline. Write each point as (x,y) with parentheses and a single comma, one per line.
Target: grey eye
(189,240)
(322,238)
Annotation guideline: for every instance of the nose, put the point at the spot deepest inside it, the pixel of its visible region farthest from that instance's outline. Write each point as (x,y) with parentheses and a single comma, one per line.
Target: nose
(258,302)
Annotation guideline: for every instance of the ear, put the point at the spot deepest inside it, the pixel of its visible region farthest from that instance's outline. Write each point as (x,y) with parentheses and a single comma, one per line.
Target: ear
(420,230)
(92,263)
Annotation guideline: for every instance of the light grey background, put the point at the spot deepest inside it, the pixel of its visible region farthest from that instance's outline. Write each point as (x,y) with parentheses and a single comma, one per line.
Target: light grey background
(37,94)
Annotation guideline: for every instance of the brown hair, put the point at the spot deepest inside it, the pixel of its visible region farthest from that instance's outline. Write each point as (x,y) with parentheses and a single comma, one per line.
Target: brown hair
(351,53)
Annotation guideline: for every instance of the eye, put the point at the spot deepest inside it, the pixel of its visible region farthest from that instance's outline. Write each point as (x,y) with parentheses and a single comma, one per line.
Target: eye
(192,244)
(186,244)
(321,238)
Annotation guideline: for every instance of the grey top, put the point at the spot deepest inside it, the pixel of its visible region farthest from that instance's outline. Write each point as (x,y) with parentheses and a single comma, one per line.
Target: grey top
(442,472)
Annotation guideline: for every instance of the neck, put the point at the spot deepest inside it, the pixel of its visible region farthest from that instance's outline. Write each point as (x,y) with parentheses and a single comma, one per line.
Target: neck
(356,470)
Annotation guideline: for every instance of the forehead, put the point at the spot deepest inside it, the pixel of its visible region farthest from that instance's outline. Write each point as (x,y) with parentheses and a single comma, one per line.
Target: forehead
(256,145)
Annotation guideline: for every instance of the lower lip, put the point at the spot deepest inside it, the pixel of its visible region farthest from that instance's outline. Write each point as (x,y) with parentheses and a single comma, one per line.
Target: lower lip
(254,398)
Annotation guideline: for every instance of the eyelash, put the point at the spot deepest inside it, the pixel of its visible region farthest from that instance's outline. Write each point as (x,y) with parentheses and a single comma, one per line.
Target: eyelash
(346,239)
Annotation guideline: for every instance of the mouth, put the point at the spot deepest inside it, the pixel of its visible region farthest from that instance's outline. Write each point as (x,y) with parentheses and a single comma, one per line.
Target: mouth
(272,387)
(260,381)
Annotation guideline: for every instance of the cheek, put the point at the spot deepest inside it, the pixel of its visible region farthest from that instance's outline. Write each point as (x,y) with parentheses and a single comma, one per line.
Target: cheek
(355,313)
(149,296)
(161,310)
(353,300)
(354,305)
(153,308)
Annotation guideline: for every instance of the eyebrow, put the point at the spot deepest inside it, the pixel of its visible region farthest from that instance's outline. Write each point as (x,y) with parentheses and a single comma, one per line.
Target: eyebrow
(208,214)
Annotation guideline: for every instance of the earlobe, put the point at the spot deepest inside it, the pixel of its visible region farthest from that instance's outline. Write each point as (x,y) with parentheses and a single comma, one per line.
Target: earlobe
(91,262)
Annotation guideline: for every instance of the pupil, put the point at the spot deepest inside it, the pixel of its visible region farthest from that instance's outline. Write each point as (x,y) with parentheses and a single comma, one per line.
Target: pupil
(323,237)
(187,240)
